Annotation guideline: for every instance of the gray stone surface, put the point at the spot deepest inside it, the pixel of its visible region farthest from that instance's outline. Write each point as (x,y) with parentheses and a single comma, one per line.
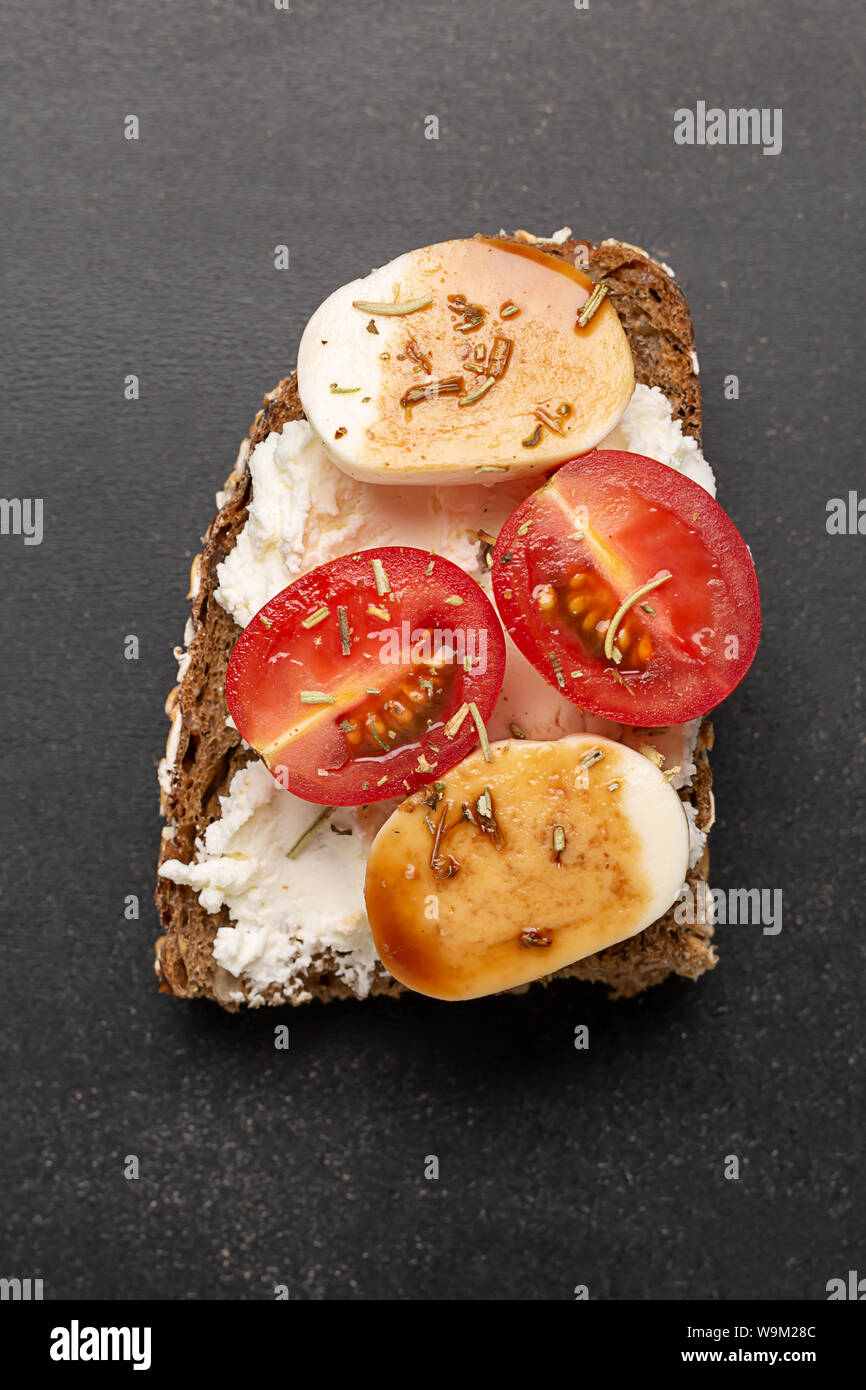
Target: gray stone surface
(156,257)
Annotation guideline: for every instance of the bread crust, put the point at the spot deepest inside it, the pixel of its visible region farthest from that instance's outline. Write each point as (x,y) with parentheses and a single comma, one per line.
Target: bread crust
(203,753)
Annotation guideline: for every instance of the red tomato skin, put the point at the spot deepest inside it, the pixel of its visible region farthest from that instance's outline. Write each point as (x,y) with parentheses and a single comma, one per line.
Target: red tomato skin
(688,690)
(416,594)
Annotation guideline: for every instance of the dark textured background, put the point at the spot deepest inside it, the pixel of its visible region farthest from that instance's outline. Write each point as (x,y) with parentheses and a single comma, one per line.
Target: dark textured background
(156,257)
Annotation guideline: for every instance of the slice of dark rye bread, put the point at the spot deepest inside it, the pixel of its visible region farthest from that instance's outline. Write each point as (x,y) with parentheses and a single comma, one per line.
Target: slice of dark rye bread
(203,754)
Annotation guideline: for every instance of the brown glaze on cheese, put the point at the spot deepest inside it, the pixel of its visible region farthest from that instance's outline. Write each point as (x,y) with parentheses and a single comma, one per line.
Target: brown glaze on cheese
(550,363)
(513,914)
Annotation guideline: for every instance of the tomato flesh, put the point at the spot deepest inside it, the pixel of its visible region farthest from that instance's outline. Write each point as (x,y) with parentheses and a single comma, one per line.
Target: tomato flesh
(346,682)
(604,527)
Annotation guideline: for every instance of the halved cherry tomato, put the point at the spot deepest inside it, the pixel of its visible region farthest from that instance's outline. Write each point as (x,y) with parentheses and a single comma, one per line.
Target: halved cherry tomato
(347,681)
(604,527)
